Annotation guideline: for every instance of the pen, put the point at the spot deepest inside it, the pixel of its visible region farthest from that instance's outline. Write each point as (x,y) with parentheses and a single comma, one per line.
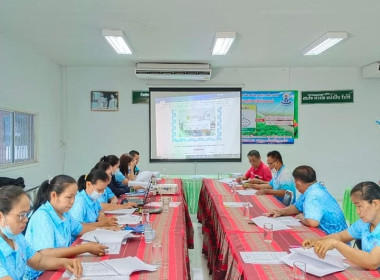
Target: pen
(96,239)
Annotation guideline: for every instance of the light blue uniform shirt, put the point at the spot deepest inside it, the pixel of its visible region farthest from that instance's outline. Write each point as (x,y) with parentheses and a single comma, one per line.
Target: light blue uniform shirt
(318,204)
(283,180)
(85,210)
(119,176)
(360,230)
(106,196)
(13,262)
(47,230)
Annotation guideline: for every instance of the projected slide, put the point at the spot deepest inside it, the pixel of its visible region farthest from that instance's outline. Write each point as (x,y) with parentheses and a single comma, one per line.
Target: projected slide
(200,125)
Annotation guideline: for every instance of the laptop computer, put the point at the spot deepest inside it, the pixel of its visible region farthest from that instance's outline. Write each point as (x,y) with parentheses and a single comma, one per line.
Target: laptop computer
(138,200)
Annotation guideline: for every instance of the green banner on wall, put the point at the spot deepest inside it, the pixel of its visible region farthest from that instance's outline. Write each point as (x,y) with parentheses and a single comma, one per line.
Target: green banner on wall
(327,96)
(140,96)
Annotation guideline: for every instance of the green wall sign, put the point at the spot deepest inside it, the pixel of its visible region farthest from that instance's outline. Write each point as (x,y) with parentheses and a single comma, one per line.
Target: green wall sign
(140,96)
(327,96)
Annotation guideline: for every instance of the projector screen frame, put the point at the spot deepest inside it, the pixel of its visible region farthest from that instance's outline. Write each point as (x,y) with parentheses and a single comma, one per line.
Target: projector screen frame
(195,89)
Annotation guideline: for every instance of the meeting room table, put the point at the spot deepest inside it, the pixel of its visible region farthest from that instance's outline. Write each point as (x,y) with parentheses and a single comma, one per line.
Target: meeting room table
(226,233)
(173,229)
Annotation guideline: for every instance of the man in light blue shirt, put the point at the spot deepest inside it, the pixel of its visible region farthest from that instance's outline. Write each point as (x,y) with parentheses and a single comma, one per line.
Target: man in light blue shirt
(315,207)
(282,181)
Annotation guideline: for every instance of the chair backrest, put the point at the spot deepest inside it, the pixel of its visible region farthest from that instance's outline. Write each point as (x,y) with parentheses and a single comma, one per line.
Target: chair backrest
(288,198)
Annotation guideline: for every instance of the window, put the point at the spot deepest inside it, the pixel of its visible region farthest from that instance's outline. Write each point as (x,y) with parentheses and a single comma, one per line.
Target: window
(16,138)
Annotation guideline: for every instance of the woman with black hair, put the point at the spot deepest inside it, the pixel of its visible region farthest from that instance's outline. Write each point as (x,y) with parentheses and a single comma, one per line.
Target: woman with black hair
(108,200)
(366,197)
(86,208)
(51,228)
(15,250)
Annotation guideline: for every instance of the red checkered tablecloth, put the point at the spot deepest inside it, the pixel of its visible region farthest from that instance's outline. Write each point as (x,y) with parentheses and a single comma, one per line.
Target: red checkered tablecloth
(226,234)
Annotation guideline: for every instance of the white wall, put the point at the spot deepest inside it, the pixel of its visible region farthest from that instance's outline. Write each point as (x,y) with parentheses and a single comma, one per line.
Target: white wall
(32,83)
(341,141)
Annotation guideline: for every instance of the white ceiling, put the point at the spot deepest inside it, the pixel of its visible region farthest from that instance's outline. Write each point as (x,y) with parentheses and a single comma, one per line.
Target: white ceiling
(271,33)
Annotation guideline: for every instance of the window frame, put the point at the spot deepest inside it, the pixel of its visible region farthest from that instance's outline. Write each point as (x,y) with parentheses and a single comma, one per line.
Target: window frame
(29,161)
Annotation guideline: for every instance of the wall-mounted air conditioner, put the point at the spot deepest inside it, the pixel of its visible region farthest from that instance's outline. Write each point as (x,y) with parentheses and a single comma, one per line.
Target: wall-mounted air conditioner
(372,70)
(173,71)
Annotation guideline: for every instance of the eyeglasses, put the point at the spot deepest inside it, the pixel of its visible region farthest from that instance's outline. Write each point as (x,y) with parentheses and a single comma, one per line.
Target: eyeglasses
(22,216)
(270,163)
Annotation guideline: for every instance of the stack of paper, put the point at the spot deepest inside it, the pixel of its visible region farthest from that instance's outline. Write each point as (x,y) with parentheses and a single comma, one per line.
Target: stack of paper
(128,265)
(227,180)
(128,220)
(174,204)
(121,211)
(289,221)
(314,265)
(115,269)
(138,183)
(106,236)
(144,176)
(277,225)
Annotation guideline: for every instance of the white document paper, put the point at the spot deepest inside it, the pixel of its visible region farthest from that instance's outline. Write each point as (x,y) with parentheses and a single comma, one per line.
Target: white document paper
(128,219)
(174,204)
(144,176)
(289,221)
(106,236)
(247,192)
(113,248)
(138,183)
(95,269)
(125,266)
(277,225)
(262,257)
(121,211)
(236,204)
(153,204)
(227,181)
(315,265)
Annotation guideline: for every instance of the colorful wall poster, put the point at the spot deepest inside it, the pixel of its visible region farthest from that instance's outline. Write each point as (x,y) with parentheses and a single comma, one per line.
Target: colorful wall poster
(269,117)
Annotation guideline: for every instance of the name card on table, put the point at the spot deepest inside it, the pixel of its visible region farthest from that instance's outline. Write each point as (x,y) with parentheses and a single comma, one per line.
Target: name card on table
(236,204)
(263,257)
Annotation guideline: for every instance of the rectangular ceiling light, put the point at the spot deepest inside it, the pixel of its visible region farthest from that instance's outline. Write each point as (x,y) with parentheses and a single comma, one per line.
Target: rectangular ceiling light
(223,42)
(118,41)
(325,42)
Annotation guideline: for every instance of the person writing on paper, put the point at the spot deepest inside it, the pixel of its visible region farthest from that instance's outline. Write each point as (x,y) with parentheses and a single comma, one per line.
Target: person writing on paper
(282,181)
(136,157)
(108,200)
(51,229)
(366,197)
(15,250)
(86,208)
(259,173)
(316,207)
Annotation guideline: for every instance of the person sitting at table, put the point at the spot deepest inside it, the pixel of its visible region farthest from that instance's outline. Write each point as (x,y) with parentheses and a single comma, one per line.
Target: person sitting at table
(15,250)
(259,173)
(366,197)
(117,179)
(125,174)
(51,229)
(282,181)
(316,207)
(86,208)
(108,200)
(136,157)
